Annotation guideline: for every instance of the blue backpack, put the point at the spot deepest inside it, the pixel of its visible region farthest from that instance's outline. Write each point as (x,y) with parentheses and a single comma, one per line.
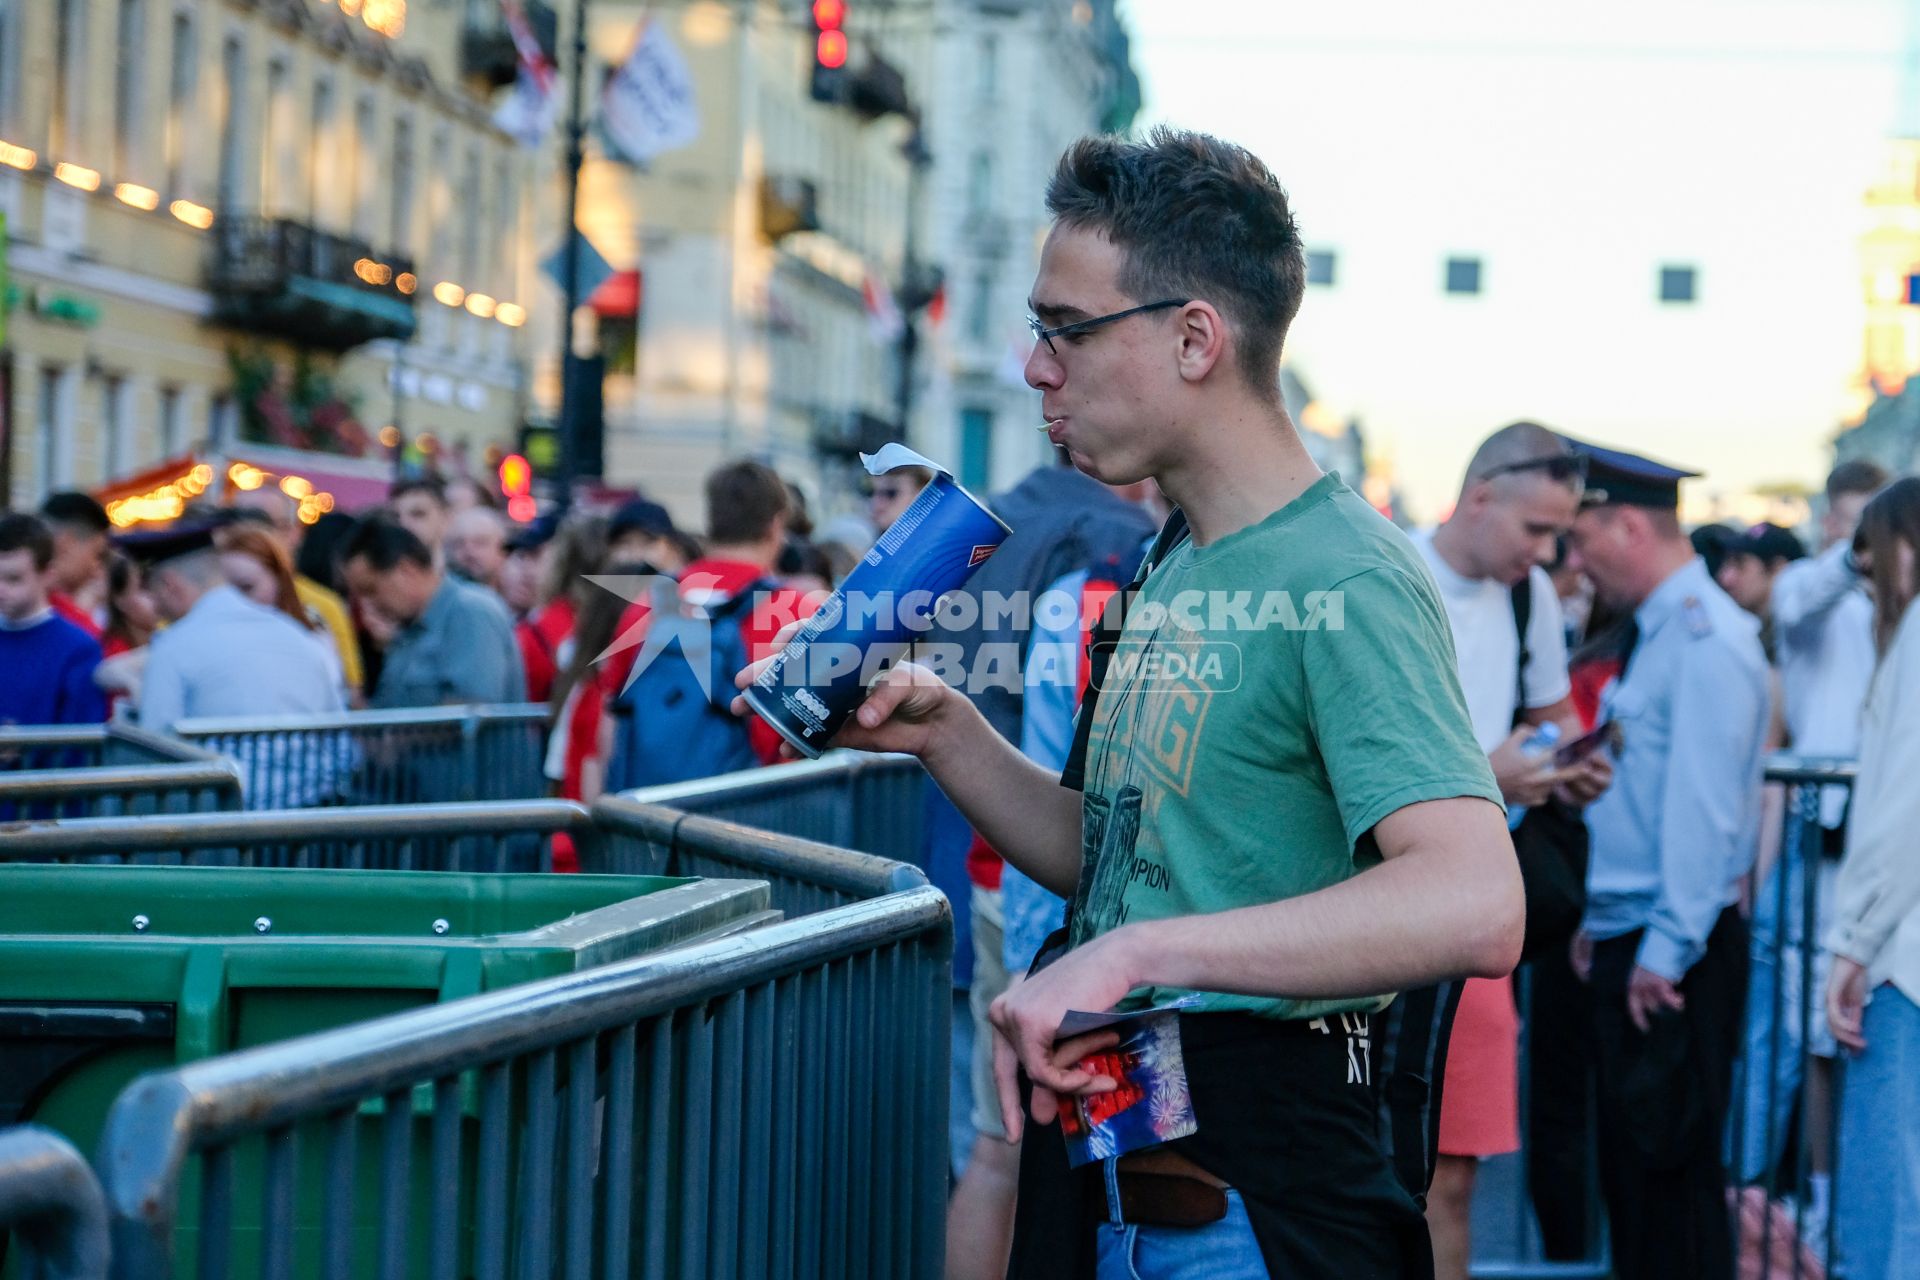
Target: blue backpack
(668,727)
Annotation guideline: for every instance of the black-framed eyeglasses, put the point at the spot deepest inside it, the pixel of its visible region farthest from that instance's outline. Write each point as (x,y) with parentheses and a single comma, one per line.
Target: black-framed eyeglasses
(1560,466)
(1043,334)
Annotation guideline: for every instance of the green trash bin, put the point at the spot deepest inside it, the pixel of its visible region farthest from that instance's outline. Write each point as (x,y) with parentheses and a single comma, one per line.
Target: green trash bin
(107,972)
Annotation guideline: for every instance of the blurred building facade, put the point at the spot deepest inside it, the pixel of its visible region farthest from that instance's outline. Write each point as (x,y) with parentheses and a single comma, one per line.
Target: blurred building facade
(743,316)
(1017,82)
(278,226)
(736,321)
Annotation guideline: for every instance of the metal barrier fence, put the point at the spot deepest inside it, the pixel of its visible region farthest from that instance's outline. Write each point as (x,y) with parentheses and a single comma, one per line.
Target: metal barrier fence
(767,1105)
(407,756)
(851,799)
(805,876)
(50,1207)
(108,770)
(616,835)
(1783,1117)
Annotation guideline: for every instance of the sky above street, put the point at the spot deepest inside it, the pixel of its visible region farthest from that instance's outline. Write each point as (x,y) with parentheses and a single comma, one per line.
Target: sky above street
(1574,151)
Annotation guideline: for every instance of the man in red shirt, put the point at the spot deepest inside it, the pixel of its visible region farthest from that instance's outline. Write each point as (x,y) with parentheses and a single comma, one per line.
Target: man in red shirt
(747,511)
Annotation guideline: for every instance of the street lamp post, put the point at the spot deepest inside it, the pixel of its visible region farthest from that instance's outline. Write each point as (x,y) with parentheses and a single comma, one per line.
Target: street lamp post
(570,426)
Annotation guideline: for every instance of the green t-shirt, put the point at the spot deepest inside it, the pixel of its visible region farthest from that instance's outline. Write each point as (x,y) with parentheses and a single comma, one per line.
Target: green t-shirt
(1273,696)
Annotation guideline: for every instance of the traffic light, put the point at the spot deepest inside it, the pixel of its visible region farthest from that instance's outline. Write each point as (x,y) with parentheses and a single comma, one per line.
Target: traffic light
(829,50)
(516,481)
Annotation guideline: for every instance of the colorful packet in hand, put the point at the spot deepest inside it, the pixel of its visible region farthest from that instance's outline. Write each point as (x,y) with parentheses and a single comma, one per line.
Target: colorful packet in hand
(1150,1103)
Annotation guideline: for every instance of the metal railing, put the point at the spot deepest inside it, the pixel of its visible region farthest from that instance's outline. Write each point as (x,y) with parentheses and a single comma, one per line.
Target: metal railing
(852,799)
(108,770)
(805,876)
(411,755)
(616,835)
(51,1207)
(1778,1087)
(767,1105)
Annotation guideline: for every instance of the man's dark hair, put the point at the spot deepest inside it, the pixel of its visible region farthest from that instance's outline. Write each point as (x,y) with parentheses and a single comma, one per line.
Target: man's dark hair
(226,517)
(433,486)
(318,558)
(383,543)
(1196,218)
(75,511)
(744,498)
(1857,475)
(22,532)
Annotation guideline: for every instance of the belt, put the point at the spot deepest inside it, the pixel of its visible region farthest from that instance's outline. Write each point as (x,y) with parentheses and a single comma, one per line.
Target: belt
(1162,1188)
(1164,1200)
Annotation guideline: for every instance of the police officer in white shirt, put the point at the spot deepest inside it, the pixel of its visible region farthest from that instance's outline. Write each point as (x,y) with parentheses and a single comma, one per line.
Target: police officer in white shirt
(1673,839)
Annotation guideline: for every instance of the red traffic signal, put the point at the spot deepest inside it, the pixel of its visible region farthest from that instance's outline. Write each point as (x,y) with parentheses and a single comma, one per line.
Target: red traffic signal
(832,51)
(516,475)
(829,15)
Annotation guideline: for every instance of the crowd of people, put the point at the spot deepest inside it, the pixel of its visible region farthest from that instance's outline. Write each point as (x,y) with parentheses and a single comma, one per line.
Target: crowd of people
(1559,659)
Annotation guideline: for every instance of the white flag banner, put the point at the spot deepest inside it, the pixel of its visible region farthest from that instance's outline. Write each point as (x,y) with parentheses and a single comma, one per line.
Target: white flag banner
(527,112)
(648,106)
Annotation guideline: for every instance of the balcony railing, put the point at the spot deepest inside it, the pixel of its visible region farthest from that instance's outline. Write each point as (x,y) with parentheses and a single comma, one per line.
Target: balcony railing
(280,277)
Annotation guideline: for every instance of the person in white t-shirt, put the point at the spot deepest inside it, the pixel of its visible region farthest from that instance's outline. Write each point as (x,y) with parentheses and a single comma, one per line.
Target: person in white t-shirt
(1822,619)
(1521,493)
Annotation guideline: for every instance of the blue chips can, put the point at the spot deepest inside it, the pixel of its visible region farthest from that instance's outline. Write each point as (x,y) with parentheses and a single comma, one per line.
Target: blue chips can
(820,679)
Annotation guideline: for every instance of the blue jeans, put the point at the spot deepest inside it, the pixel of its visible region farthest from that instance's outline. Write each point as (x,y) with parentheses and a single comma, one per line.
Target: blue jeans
(1223,1250)
(1771,1095)
(1876,1213)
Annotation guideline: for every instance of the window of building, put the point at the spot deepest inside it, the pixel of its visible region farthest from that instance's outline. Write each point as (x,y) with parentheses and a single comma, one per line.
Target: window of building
(66,131)
(1463,275)
(1320,264)
(475,222)
(989,66)
(360,169)
(400,213)
(980,308)
(183,76)
(115,429)
(233,102)
(129,66)
(438,253)
(976,448)
(506,218)
(980,183)
(10,66)
(1677,284)
(220,422)
(321,148)
(273,120)
(173,422)
(55,465)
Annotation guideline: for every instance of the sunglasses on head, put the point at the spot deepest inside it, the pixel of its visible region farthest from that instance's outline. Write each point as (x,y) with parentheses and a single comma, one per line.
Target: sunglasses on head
(1560,466)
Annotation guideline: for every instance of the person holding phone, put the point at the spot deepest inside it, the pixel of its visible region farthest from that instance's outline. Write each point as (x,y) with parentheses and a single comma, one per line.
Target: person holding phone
(1520,495)
(1873,990)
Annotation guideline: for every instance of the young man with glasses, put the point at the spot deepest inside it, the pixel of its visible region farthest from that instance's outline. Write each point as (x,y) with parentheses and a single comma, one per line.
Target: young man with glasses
(1289,833)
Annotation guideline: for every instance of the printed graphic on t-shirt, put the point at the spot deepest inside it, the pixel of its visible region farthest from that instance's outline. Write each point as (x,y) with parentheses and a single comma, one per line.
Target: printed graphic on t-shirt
(1160,711)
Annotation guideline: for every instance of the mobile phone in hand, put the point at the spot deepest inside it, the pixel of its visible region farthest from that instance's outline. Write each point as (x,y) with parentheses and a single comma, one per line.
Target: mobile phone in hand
(1572,753)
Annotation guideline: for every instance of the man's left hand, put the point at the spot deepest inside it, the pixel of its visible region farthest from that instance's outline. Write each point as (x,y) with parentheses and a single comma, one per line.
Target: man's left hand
(1588,781)
(1648,994)
(1026,1020)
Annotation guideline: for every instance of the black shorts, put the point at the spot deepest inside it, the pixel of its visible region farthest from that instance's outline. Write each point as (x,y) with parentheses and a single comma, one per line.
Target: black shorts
(1289,1117)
